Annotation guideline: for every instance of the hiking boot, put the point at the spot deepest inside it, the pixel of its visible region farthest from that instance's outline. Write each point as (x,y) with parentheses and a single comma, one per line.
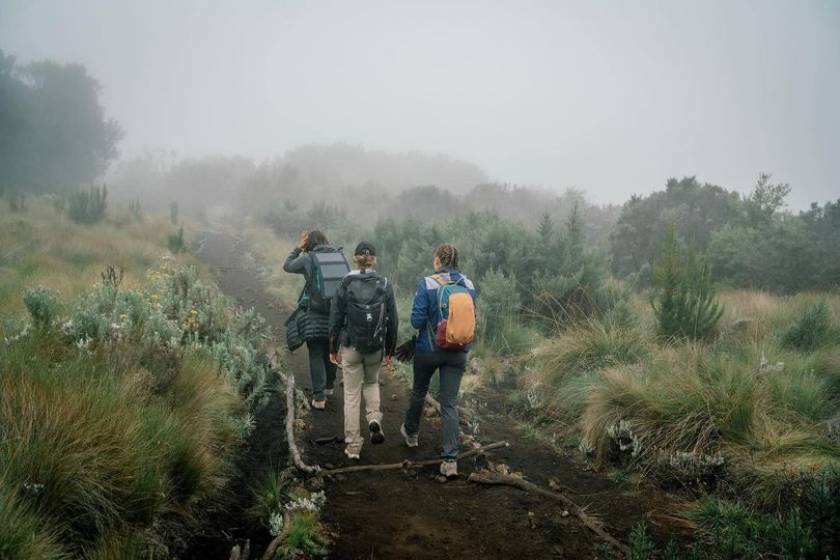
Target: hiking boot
(377,436)
(319,405)
(329,392)
(449,468)
(410,440)
(351,454)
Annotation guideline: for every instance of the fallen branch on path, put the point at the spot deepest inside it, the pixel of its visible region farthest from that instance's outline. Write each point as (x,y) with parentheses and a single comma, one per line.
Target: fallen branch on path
(411,464)
(498,479)
(278,540)
(294,452)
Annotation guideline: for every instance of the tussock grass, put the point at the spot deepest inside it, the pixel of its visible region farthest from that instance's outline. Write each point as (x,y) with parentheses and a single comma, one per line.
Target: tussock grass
(766,408)
(100,451)
(121,404)
(564,369)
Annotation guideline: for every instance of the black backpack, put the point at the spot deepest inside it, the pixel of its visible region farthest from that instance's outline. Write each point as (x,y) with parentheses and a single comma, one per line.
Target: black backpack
(329,266)
(366,311)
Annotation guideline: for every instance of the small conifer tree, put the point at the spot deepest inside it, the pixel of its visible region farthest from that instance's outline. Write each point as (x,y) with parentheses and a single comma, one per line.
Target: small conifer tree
(684,300)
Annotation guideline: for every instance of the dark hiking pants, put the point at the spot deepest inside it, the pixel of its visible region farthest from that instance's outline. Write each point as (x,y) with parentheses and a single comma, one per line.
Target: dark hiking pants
(451,366)
(321,370)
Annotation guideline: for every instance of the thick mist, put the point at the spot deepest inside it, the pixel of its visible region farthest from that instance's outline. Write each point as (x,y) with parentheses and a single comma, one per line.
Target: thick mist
(608,98)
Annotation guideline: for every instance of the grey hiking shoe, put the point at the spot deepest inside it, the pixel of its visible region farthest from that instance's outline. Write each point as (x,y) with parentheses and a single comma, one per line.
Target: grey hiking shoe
(449,468)
(410,440)
(351,454)
(377,436)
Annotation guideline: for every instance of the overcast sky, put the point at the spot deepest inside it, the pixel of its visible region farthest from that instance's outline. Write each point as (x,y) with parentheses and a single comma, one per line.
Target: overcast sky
(609,97)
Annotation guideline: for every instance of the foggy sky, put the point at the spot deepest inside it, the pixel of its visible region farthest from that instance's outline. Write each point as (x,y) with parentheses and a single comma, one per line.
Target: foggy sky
(609,97)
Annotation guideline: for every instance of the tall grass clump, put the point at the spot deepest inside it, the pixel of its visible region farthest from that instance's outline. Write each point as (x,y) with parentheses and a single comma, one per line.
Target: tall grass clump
(811,330)
(567,366)
(692,404)
(88,207)
(121,415)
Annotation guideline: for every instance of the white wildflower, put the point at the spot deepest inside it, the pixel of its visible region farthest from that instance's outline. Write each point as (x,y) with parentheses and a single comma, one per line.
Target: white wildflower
(275,523)
(313,503)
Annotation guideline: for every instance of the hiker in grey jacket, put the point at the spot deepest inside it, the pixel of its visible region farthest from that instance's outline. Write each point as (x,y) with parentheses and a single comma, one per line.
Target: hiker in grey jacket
(316,331)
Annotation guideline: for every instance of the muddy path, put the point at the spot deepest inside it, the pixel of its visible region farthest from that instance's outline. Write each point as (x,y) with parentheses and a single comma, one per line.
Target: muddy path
(397,514)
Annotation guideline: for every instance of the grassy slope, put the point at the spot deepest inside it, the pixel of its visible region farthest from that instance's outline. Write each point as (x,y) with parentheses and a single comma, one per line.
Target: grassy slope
(113,446)
(42,247)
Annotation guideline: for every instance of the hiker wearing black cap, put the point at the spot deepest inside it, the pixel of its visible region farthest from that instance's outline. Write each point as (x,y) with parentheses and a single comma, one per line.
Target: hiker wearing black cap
(363,332)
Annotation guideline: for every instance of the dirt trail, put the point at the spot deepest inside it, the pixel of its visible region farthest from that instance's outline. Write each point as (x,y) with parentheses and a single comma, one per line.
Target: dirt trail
(394,514)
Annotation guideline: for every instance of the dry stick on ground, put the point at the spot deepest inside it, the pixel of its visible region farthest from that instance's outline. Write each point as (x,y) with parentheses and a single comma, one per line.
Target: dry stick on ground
(411,464)
(294,452)
(516,482)
(278,540)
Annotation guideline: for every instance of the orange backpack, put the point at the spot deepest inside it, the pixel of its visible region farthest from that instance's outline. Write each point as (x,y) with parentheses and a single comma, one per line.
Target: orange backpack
(456,328)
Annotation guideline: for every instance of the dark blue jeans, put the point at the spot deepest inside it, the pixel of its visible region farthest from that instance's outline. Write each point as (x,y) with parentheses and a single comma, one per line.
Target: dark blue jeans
(321,369)
(451,366)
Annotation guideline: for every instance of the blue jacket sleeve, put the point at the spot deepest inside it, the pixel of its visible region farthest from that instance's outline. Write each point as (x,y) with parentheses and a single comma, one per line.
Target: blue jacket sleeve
(420,308)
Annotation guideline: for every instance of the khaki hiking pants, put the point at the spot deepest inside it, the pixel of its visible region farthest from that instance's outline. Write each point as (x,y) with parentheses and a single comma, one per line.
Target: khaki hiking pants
(361,375)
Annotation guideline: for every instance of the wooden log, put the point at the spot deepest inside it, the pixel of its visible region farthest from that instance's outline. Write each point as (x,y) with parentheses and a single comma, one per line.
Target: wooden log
(498,479)
(278,540)
(411,464)
(294,452)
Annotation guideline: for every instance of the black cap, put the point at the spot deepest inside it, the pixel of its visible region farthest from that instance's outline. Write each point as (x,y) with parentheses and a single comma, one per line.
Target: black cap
(366,249)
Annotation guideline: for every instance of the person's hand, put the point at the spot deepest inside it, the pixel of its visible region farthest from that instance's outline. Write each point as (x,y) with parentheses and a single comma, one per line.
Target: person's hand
(303,240)
(334,357)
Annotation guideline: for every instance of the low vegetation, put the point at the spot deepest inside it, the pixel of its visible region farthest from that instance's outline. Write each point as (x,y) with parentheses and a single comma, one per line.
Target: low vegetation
(124,395)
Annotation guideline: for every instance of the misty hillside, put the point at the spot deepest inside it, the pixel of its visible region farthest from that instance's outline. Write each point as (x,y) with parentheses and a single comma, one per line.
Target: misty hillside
(411,280)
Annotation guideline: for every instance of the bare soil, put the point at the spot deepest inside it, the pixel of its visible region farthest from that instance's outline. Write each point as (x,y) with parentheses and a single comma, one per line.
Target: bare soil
(398,514)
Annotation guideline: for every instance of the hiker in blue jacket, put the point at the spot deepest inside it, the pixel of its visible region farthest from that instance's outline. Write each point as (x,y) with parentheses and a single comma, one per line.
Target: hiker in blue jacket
(321,370)
(425,316)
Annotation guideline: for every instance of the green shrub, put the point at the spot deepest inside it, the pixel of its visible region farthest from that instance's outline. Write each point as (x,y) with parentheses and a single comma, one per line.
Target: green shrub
(176,242)
(811,330)
(135,210)
(42,305)
(173,213)
(88,207)
(641,547)
(740,532)
(684,301)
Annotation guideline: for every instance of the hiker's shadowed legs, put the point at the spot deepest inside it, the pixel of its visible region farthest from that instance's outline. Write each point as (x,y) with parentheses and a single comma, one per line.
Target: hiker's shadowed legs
(321,370)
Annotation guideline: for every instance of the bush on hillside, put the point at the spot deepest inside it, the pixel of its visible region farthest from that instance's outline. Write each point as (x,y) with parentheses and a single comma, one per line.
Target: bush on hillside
(88,207)
(811,330)
(42,305)
(176,242)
